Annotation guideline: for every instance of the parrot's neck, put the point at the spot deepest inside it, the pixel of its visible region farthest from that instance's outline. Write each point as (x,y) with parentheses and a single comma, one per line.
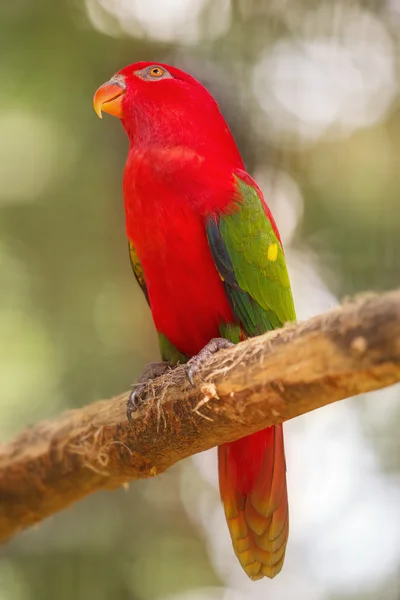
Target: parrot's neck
(166,128)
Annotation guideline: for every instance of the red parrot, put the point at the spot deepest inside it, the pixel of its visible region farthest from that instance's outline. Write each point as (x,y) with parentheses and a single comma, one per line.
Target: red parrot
(207,254)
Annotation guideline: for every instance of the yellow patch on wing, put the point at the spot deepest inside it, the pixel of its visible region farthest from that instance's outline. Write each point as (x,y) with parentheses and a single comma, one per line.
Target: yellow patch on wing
(272,253)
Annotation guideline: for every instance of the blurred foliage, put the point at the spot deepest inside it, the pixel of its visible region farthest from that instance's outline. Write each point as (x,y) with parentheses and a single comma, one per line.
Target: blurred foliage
(310,89)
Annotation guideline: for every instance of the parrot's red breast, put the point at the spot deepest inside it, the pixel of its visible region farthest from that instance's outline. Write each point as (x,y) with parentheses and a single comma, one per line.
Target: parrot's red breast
(186,294)
(206,252)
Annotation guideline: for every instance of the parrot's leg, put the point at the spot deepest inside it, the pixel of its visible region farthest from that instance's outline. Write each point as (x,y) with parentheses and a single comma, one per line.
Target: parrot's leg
(194,364)
(151,371)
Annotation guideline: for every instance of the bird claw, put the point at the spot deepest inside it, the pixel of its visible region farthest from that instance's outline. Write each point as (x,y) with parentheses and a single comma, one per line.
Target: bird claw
(190,373)
(150,372)
(193,365)
(134,401)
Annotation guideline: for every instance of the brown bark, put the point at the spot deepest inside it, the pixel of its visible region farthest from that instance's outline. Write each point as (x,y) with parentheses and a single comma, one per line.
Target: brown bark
(349,350)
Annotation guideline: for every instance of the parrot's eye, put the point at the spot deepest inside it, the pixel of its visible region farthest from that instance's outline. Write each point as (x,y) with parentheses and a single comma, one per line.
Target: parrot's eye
(156,72)
(153,73)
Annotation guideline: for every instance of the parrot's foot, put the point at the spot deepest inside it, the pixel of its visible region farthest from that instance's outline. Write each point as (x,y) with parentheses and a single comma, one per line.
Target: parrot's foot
(194,364)
(151,371)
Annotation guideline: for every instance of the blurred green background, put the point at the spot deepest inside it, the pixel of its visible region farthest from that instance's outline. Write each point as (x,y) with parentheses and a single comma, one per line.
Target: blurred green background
(311,91)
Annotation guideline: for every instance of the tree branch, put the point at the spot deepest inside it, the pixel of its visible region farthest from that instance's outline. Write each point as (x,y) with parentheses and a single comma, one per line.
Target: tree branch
(270,379)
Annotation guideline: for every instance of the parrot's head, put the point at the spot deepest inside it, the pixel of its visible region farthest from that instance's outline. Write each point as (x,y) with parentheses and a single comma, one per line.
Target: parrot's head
(157,102)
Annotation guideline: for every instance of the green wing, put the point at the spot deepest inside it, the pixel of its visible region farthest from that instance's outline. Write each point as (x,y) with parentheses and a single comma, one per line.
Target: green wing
(251,263)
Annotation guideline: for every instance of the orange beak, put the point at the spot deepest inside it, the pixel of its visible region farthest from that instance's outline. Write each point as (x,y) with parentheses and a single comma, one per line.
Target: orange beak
(108,98)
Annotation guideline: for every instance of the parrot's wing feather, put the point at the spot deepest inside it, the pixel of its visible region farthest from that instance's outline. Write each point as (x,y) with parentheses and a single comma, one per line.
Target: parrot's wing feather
(249,257)
(248,254)
(138,269)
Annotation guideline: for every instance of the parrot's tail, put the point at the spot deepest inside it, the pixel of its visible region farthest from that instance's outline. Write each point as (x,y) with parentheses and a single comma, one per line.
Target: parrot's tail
(252,481)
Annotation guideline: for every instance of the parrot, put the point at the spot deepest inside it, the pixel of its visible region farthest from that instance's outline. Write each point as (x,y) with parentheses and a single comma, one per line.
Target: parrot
(206,251)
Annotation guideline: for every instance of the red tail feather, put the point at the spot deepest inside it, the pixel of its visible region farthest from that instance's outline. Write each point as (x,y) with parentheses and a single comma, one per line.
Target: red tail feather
(252,480)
